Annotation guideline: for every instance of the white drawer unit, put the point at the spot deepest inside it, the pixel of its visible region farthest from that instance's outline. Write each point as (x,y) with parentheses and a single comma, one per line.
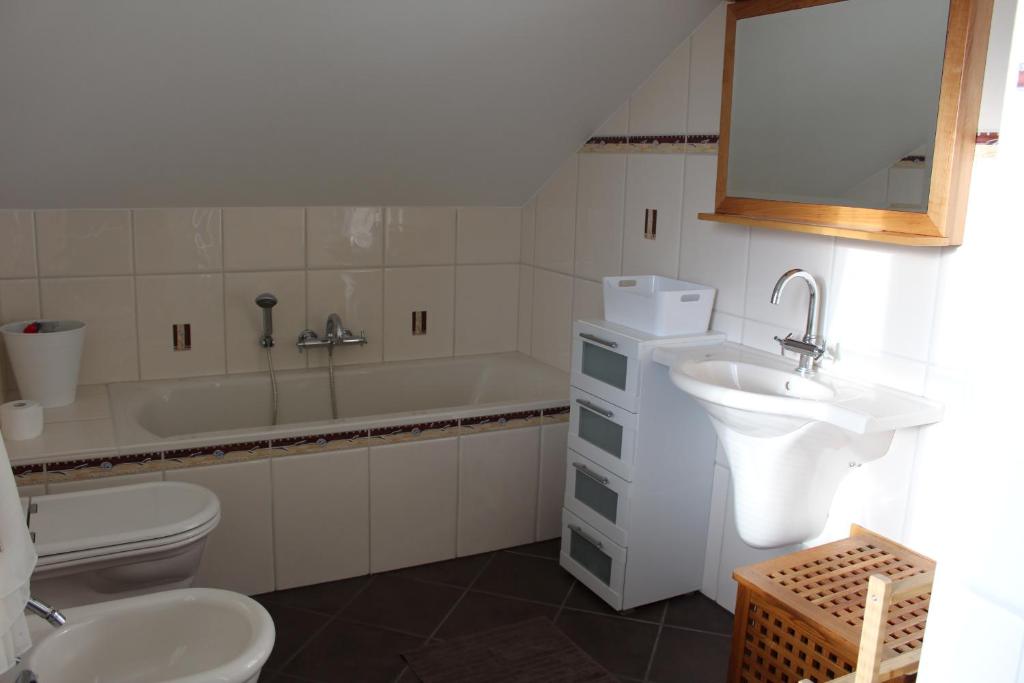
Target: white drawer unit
(597,496)
(603,432)
(639,469)
(595,560)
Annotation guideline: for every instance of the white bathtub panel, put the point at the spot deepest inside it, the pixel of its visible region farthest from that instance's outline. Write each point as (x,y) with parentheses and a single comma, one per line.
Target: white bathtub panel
(413,491)
(239,553)
(497,489)
(31,490)
(57,486)
(551,488)
(321,517)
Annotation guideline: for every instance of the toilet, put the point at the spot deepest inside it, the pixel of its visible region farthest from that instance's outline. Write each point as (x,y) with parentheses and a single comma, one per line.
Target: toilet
(118,542)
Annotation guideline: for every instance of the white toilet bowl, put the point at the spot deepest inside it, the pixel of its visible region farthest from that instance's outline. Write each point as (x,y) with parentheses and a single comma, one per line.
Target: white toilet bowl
(118,542)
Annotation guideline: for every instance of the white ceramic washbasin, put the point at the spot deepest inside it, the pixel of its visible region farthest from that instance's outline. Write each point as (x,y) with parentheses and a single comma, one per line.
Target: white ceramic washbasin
(789,439)
(194,635)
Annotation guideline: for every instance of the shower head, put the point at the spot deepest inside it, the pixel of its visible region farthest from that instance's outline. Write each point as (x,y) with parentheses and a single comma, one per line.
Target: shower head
(266,300)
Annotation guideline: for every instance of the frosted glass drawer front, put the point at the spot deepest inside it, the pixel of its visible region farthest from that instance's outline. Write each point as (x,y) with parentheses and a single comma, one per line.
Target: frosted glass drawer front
(597,496)
(594,559)
(602,432)
(605,363)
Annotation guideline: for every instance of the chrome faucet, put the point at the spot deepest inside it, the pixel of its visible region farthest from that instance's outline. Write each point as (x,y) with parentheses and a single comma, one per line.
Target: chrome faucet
(41,609)
(335,334)
(266,302)
(812,347)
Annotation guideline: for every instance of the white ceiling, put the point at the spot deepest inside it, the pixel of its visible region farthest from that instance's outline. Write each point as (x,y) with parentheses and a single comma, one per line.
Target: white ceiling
(116,103)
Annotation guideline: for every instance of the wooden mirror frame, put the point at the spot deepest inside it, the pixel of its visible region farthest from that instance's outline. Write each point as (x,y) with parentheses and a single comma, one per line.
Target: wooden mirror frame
(959,106)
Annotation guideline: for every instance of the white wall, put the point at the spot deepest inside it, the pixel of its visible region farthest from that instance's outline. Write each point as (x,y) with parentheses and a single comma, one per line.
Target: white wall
(936,322)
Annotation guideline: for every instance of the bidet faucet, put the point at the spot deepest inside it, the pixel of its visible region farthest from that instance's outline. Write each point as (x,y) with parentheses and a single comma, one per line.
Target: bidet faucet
(812,347)
(41,609)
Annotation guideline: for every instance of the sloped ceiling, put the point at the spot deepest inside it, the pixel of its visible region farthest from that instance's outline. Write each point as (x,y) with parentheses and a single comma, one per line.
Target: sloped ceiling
(120,103)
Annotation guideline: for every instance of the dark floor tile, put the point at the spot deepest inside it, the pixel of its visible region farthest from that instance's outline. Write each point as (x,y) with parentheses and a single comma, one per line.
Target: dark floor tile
(278,677)
(480,612)
(328,598)
(353,652)
(585,599)
(458,572)
(700,612)
(408,676)
(293,628)
(623,647)
(549,548)
(689,657)
(402,604)
(521,576)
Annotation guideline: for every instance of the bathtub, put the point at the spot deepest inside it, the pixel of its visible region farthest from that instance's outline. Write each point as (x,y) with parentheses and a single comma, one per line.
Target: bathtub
(174,414)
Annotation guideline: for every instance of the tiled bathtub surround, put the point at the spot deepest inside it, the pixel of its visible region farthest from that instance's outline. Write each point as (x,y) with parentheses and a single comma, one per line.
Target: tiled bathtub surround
(133,274)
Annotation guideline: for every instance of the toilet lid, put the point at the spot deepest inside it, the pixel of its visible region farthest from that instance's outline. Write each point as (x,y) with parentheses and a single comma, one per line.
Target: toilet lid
(89,520)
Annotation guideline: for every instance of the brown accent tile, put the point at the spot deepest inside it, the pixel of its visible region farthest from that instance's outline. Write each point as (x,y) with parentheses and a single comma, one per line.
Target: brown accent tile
(327,598)
(217,455)
(621,645)
(402,605)
(690,656)
(100,468)
(414,432)
(29,475)
(321,443)
(346,651)
(489,423)
(523,576)
(697,611)
(458,572)
(480,611)
(555,415)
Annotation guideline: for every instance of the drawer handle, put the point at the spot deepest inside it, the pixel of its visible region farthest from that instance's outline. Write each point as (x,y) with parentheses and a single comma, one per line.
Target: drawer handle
(598,340)
(595,408)
(586,537)
(586,471)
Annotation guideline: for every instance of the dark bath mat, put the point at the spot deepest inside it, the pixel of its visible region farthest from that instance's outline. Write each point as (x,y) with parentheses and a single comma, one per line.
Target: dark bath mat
(533,651)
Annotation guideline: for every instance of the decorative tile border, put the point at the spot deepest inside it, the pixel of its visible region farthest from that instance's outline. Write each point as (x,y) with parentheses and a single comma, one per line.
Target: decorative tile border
(245,451)
(697,143)
(990,137)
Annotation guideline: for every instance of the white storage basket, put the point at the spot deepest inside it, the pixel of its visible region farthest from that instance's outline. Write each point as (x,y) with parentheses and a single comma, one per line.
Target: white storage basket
(658,305)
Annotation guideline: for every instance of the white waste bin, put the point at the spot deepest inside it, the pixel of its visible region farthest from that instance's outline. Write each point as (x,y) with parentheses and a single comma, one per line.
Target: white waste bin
(46,363)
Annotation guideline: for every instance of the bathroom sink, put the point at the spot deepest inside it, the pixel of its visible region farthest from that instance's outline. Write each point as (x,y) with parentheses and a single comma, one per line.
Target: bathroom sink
(789,438)
(193,635)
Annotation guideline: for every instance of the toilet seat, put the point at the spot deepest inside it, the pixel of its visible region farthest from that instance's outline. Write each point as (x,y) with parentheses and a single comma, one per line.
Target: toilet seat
(75,528)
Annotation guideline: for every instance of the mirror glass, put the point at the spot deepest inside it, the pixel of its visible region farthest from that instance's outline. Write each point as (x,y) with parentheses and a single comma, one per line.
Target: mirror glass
(837,103)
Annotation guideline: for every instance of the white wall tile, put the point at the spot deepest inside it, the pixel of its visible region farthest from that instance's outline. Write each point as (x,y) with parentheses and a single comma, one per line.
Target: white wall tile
(525,327)
(167,300)
(552,318)
(418,289)
(243,319)
(107,306)
(599,215)
(84,242)
(177,240)
(239,554)
(551,487)
(654,181)
(762,335)
(358,297)
(419,236)
(17,235)
(713,254)
(556,219)
(313,493)
(344,236)
(528,229)
(413,498)
(19,300)
(587,299)
(264,238)
(706,63)
(772,253)
(497,489)
(488,234)
(882,298)
(486,308)
(658,107)
(617,124)
(730,325)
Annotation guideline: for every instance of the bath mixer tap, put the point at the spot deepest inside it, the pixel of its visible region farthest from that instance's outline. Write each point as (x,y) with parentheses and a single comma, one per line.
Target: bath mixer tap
(52,616)
(335,334)
(812,347)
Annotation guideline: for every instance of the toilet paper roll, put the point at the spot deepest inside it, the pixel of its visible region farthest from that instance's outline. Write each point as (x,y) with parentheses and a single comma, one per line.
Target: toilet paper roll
(20,420)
